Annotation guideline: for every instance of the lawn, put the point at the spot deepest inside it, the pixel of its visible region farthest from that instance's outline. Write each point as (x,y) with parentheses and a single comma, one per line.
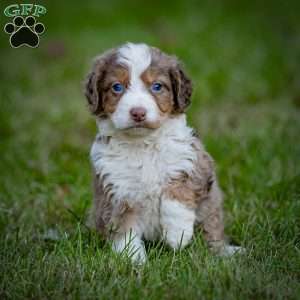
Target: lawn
(244,59)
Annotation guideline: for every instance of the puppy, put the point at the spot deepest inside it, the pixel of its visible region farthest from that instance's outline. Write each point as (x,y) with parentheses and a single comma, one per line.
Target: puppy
(152,177)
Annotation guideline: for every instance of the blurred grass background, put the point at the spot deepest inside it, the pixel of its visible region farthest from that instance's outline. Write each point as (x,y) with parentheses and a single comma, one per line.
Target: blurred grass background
(244,59)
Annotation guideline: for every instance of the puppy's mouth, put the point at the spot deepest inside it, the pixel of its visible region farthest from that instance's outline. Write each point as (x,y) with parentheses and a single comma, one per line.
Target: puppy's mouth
(138,125)
(143,125)
(140,129)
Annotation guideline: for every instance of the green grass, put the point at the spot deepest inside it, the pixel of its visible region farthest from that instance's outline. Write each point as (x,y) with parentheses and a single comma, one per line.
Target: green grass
(244,60)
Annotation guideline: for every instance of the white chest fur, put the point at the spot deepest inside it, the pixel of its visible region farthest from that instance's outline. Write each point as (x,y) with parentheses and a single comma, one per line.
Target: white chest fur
(137,169)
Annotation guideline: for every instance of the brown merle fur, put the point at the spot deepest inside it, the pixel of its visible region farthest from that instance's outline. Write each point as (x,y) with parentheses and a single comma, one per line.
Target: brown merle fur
(200,191)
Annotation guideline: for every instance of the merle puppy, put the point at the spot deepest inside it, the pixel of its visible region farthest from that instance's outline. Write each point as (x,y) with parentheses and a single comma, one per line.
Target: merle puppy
(152,177)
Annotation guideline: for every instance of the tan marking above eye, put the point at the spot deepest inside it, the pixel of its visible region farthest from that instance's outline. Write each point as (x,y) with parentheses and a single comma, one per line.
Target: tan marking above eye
(153,75)
(116,74)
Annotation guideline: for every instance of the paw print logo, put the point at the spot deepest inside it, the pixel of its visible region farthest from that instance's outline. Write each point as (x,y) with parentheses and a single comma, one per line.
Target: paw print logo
(24,32)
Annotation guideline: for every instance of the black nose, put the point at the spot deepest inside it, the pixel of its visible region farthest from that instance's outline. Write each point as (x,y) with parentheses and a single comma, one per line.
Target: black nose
(138,114)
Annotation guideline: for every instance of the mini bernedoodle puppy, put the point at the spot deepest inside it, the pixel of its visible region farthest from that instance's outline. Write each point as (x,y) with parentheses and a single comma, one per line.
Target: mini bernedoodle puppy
(152,177)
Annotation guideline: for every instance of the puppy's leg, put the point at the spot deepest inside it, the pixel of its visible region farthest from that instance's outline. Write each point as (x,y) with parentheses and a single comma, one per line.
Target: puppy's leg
(122,219)
(210,214)
(210,218)
(177,222)
(127,237)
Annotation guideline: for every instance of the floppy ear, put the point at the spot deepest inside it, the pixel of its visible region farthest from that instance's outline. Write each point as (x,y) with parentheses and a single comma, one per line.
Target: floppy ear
(182,88)
(93,84)
(92,94)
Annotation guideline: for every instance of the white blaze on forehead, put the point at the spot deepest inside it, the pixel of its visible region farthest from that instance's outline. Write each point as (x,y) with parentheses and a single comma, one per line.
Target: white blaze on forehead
(136,56)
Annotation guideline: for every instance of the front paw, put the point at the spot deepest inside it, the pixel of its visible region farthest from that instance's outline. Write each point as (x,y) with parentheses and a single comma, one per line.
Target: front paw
(132,246)
(138,256)
(177,239)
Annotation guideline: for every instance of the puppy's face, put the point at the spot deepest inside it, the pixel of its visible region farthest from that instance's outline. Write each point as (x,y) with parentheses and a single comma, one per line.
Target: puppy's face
(137,86)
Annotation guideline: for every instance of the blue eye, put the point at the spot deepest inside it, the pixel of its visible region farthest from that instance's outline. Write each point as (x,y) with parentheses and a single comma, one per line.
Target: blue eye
(156,87)
(118,87)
